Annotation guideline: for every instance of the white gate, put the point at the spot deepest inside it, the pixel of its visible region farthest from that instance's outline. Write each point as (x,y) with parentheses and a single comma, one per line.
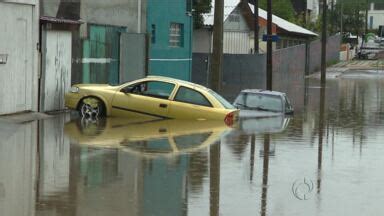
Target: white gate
(17,53)
(56,75)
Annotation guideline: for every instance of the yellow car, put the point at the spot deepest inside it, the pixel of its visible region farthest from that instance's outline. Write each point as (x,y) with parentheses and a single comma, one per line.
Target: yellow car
(153,97)
(149,139)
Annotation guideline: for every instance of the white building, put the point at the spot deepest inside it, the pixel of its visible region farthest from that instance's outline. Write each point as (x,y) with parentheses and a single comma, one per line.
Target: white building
(238,35)
(376,15)
(19,41)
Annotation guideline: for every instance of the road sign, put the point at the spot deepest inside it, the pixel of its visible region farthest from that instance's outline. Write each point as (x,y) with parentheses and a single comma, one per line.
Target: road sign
(273,38)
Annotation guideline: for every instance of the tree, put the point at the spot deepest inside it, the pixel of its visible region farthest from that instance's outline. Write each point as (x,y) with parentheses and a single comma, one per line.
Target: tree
(353,15)
(280,8)
(200,7)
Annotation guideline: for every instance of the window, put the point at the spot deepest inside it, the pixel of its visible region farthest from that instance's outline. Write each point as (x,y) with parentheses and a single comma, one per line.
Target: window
(260,101)
(187,95)
(153,89)
(234,18)
(153,33)
(176,34)
(371,22)
(379,6)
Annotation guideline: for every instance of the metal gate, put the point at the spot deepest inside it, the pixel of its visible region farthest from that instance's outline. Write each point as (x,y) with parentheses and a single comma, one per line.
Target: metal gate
(101,54)
(56,76)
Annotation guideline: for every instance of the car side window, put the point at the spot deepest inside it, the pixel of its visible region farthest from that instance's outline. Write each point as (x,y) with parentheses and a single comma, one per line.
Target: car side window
(153,89)
(191,96)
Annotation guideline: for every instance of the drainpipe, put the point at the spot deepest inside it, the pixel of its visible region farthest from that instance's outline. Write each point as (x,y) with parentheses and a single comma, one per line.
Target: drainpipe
(139,16)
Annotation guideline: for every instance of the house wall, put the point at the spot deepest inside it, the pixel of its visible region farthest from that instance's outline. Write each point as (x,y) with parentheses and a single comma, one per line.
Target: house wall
(112,12)
(164,59)
(236,42)
(235,21)
(375,17)
(18,44)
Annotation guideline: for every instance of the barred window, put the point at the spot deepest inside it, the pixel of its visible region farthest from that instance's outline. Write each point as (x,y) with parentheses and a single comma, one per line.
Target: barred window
(176,34)
(234,18)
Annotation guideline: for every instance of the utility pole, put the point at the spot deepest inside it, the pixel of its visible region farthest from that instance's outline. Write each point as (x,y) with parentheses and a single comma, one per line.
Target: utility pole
(341,18)
(269,45)
(256,20)
(366,17)
(332,16)
(324,44)
(217,52)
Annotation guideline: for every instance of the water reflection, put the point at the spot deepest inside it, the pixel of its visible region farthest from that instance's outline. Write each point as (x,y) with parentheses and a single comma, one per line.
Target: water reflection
(17,168)
(68,167)
(147,139)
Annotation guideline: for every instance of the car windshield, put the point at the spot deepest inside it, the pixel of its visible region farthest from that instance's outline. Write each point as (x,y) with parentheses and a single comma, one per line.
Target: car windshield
(223,102)
(262,102)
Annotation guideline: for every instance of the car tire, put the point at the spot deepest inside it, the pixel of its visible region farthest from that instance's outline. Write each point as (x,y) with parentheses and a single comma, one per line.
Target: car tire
(88,111)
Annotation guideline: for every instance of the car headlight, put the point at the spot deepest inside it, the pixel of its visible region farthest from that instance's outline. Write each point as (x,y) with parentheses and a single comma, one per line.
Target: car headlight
(74,89)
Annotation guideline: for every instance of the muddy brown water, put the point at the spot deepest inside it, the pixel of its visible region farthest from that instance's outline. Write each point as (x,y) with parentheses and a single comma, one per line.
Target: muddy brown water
(327,159)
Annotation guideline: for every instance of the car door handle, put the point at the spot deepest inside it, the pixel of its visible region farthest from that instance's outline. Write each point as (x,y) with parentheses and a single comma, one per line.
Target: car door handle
(163,105)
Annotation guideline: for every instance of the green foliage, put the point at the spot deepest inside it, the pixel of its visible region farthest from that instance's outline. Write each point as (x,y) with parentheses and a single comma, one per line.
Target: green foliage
(353,16)
(280,8)
(200,7)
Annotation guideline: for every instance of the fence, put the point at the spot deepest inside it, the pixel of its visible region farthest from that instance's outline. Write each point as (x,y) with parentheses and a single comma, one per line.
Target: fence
(290,65)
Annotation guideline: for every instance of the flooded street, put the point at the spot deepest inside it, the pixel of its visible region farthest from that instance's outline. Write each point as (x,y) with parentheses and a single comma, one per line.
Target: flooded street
(326,159)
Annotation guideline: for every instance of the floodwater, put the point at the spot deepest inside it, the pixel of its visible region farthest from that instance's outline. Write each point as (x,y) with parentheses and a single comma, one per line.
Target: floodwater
(327,159)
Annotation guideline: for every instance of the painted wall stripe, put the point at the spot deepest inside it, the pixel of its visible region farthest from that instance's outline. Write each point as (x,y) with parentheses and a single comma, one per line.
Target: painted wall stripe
(187,59)
(98,60)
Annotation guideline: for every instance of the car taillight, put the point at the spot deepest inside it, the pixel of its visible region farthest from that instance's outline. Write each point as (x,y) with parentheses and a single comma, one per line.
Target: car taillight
(229,119)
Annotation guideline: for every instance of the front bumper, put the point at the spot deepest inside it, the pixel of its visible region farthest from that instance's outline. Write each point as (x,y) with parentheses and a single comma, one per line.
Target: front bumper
(72,100)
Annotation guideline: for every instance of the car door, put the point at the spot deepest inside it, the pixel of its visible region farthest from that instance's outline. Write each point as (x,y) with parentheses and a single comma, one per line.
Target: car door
(189,103)
(147,100)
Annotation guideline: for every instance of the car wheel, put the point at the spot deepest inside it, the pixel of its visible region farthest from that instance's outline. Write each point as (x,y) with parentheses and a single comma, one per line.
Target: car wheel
(91,110)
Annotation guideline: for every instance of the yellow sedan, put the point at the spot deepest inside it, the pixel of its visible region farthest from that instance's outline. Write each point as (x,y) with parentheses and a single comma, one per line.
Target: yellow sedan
(153,97)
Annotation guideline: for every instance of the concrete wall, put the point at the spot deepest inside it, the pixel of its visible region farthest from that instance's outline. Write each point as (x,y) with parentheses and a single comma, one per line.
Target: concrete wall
(18,42)
(112,12)
(333,52)
(202,41)
(241,71)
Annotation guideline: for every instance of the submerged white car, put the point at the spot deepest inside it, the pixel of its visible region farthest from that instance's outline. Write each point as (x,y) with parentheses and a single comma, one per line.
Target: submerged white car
(262,103)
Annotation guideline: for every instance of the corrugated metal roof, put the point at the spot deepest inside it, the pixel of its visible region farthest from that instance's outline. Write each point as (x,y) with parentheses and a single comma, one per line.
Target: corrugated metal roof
(284,24)
(230,5)
(49,19)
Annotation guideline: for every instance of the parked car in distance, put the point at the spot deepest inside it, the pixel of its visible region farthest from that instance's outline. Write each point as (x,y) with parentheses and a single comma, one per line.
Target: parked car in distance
(262,103)
(153,97)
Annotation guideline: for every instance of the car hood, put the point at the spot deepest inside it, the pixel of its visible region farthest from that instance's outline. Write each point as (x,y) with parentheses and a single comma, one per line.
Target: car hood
(95,86)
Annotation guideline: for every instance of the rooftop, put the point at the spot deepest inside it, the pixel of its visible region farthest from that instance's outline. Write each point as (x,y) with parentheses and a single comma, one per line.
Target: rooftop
(230,5)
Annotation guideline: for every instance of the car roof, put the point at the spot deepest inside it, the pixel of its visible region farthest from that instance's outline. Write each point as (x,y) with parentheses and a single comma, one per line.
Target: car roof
(261,91)
(190,84)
